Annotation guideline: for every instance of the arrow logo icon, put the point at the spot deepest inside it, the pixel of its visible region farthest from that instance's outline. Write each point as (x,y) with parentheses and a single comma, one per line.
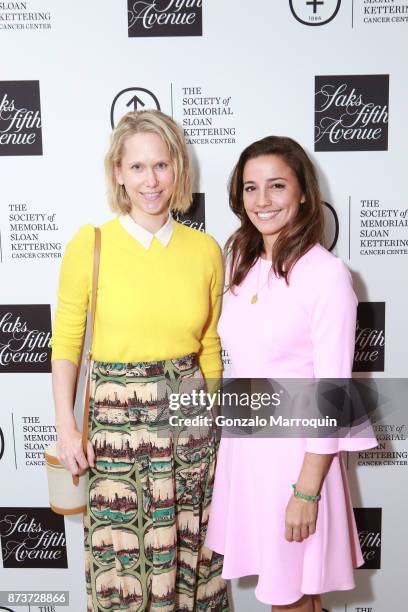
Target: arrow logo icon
(135,101)
(121,103)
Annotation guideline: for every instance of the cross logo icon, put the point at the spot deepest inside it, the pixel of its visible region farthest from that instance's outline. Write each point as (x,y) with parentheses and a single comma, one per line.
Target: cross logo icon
(315,4)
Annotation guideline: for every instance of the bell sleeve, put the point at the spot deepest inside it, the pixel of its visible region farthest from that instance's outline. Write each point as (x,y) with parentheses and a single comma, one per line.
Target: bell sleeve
(333,328)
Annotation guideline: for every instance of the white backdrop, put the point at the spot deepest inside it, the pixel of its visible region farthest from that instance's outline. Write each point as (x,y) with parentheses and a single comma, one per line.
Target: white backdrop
(254,66)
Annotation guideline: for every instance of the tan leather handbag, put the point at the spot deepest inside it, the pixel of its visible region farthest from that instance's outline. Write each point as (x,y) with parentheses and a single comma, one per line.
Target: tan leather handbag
(67,492)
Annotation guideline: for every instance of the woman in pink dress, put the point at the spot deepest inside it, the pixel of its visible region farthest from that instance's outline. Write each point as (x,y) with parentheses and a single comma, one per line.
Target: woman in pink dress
(290,312)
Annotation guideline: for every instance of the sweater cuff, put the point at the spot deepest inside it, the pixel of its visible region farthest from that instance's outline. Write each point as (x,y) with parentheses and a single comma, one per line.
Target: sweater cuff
(212,375)
(212,380)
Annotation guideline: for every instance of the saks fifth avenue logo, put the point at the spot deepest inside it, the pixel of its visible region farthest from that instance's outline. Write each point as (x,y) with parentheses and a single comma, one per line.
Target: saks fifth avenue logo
(316,12)
(25,334)
(351,113)
(370,337)
(195,216)
(20,118)
(368,522)
(165,18)
(32,537)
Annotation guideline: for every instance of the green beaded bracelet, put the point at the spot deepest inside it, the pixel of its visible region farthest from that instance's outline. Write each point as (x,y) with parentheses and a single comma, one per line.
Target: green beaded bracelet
(311,498)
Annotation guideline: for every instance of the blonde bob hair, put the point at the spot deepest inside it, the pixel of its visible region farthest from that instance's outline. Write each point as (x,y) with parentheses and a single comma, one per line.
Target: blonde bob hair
(153,122)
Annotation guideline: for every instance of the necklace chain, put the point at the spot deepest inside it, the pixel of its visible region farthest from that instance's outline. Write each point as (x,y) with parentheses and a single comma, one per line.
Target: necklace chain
(254,298)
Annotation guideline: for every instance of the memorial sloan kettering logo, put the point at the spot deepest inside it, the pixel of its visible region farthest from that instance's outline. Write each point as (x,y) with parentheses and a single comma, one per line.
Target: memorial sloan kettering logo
(20,118)
(351,112)
(314,12)
(165,18)
(32,537)
(132,99)
(331,226)
(2,447)
(25,334)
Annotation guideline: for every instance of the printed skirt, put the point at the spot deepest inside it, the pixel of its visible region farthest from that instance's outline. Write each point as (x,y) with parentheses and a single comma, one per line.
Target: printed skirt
(149,494)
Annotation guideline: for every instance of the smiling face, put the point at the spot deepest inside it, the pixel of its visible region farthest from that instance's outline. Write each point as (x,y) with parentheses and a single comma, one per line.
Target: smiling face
(271,195)
(146,171)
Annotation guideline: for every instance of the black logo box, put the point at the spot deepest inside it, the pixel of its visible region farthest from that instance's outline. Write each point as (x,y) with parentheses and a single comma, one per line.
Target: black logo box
(163,18)
(26,96)
(368,521)
(32,538)
(27,317)
(373,88)
(195,216)
(371,318)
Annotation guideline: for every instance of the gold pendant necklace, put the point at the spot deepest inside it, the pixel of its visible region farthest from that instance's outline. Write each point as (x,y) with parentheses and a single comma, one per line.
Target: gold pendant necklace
(254,298)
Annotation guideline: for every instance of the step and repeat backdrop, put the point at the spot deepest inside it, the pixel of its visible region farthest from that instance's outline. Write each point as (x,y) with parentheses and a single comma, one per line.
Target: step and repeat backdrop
(332,75)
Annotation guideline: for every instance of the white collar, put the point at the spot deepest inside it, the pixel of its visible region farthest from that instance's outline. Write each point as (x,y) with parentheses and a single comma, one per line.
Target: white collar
(145,237)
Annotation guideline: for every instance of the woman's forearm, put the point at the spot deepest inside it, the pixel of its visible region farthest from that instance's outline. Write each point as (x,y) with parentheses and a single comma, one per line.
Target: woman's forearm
(314,469)
(69,449)
(64,373)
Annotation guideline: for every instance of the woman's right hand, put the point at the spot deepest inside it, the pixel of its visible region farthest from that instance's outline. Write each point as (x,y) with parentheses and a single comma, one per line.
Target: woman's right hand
(71,454)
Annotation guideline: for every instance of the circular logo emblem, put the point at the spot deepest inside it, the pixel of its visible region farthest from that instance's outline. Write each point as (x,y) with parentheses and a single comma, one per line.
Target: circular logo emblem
(316,12)
(132,99)
(331,226)
(1,446)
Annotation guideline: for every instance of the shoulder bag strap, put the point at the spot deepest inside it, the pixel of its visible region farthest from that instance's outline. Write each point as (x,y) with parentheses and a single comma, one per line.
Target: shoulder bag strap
(95,275)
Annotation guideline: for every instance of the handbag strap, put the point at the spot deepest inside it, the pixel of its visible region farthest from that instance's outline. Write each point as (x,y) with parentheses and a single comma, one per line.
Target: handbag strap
(95,275)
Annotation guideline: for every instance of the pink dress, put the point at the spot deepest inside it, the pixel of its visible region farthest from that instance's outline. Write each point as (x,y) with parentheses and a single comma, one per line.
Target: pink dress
(303,330)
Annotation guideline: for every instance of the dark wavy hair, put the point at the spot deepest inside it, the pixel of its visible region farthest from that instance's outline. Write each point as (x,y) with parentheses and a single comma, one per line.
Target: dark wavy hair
(246,244)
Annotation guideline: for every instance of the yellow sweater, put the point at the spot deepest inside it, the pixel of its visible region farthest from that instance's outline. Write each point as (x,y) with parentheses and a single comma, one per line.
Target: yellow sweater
(154,304)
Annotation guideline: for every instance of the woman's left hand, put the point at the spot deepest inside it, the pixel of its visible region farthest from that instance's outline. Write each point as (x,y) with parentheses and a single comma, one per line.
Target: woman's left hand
(300,519)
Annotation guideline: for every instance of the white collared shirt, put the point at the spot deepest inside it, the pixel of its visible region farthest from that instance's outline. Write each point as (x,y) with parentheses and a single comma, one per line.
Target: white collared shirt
(145,237)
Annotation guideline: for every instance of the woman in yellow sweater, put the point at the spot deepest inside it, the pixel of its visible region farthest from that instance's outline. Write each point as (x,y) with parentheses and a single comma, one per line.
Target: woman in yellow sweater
(158,302)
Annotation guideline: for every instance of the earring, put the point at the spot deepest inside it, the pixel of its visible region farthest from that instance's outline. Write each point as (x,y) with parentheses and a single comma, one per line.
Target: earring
(124,193)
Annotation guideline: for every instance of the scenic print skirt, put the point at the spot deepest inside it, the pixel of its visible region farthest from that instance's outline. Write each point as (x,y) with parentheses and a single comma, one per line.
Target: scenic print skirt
(149,494)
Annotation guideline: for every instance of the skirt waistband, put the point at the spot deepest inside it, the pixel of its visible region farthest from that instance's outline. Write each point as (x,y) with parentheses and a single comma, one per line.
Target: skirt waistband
(150,368)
